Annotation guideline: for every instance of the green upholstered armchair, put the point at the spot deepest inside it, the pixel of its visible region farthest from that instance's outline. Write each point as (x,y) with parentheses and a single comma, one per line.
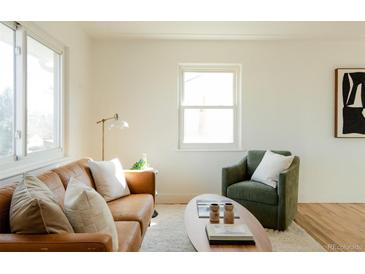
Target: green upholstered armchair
(273,207)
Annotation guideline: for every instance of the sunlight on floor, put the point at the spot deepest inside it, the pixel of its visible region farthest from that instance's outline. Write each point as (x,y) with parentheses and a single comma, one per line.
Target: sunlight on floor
(153,223)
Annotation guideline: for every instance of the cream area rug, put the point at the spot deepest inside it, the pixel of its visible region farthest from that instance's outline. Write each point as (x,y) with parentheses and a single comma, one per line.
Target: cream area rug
(167,233)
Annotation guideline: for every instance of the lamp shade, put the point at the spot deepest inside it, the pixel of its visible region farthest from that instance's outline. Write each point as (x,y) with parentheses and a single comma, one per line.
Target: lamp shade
(118,124)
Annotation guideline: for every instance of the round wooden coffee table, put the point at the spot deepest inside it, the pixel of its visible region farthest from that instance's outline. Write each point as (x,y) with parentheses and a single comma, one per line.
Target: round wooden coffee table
(195,227)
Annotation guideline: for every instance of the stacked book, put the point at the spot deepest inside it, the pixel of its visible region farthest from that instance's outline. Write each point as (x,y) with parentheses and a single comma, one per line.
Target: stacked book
(231,234)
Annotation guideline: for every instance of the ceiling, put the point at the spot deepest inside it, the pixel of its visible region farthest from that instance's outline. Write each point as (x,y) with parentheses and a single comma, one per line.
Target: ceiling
(224,30)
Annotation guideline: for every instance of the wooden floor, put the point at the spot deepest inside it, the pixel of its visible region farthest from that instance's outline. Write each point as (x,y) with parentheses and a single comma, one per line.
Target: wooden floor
(337,227)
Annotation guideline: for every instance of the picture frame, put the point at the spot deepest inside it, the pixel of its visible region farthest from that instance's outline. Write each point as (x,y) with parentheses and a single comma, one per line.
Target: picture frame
(350,103)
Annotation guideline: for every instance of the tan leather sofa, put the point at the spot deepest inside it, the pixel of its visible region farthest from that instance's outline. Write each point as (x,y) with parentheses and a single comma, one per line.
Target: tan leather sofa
(132,214)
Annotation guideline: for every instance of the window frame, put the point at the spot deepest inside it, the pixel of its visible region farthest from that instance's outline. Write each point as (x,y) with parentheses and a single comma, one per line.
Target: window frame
(21,159)
(236,107)
(6,159)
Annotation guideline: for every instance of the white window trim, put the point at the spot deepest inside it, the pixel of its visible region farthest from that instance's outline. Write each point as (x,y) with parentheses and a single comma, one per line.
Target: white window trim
(203,67)
(21,161)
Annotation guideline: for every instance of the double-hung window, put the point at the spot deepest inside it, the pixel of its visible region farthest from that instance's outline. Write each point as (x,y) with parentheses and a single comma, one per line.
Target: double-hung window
(31,88)
(209,107)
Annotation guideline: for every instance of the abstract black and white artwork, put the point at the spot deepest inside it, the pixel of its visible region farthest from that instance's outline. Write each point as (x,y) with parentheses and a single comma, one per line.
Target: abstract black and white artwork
(350,103)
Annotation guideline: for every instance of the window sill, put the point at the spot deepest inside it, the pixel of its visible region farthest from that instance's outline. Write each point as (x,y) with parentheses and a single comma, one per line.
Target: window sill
(19,169)
(208,150)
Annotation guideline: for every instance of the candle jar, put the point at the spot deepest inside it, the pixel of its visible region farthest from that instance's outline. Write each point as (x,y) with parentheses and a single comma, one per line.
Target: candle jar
(228,213)
(214,213)
(144,158)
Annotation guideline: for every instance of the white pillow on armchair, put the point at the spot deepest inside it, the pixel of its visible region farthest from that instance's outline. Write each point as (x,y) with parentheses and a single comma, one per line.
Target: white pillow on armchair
(270,167)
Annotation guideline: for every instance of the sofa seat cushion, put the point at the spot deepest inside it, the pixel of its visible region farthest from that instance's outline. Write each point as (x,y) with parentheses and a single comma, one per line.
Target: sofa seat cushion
(253,191)
(134,207)
(129,235)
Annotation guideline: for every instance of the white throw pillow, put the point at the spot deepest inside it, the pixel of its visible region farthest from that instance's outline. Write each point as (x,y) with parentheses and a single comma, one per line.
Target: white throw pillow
(88,212)
(271,165)
(109,179)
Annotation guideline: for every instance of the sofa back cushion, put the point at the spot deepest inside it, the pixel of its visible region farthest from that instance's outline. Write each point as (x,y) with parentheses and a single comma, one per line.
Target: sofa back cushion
(54,183)
(78,170)
(254,158)
(6,192)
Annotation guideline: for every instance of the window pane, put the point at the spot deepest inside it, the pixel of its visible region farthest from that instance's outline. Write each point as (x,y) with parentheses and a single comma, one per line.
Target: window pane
(6,90)
(208,88)
(42,96)
(208,126)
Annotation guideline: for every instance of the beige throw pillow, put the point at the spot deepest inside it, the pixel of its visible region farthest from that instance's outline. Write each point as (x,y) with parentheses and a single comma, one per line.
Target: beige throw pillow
(109,179)
(34,210)
(88,212)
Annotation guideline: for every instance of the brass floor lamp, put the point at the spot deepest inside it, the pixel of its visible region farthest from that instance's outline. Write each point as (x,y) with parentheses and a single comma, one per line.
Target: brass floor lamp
(116,123)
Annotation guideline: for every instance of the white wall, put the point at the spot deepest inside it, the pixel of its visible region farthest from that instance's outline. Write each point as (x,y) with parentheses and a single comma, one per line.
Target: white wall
(288,103)
(77,95)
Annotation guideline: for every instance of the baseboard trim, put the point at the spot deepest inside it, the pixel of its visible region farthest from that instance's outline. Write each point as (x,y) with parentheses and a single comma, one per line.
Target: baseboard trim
(172,198)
